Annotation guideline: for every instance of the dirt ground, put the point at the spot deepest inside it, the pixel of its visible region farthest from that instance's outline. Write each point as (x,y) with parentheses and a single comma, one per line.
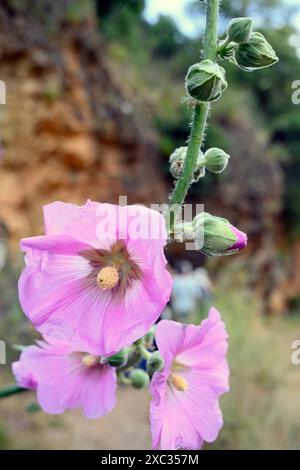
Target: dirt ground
(127,427)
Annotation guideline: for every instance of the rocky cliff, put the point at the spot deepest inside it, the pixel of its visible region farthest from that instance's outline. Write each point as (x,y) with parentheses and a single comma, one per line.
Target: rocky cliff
(68,129)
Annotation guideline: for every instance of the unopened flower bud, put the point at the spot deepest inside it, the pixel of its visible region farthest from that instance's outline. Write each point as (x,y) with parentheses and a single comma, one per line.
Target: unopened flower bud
(155,363)
(215,236)
(176,161)
(139,378)
(200,168)
(119,359)
(227,52)
(205,81)
(216,160)
(239,30)
(255,54)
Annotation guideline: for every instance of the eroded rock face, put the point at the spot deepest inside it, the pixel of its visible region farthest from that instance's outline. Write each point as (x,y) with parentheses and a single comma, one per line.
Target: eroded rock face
(69,130)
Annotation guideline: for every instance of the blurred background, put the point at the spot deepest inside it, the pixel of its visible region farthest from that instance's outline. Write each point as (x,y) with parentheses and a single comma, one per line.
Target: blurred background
(93,110)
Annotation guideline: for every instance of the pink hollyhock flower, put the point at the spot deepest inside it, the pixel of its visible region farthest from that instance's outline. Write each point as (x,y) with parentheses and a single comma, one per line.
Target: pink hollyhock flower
(65,380)
(98,277)
(184,409)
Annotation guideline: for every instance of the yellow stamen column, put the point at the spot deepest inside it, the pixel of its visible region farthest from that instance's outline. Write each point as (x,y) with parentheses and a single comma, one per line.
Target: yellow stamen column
(108,277)
(89,360)
(179,382)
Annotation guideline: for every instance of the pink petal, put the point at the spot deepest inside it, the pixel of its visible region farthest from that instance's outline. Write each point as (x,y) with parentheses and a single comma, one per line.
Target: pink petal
(61,298)
(24,377)
(184,419)
(99,392)
(145,224)
(200,401)
(193,345)
(169,337)
(49,280)
(78,222)
(171,427)
(60,244)
(96,223)
(63,382)
(206,345)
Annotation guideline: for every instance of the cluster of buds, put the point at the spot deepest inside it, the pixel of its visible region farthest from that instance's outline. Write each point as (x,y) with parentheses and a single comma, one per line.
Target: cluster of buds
(245,48)
(213,236)
(214,160)
(129,362)
(205,82)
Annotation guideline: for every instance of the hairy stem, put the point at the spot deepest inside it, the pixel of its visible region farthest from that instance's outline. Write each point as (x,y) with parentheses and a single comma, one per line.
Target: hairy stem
(210,43)
(198,123)
(144,352)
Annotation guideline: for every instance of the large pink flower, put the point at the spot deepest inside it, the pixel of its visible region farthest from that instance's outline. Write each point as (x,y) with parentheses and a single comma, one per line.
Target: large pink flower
(65,379)
(98,277)
(184,408)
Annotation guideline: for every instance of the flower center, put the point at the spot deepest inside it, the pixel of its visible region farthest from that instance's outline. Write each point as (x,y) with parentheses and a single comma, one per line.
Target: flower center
(108,277)
(179,382)
(89,360)
(113,268)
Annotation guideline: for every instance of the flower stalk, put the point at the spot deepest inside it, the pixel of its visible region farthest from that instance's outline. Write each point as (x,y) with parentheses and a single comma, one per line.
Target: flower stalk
(199,120)
(11,390)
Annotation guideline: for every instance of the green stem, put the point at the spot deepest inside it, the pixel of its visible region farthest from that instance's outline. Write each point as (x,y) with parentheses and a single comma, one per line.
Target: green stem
(224,44)
(144,352)
(123,379)
(211,34)
(198,123)
(11,390)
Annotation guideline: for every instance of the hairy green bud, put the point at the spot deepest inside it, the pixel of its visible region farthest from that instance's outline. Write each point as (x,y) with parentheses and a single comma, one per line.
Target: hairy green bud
(176,161)
(255,54)
(205,81)
(227,52)
(239,30)
(155,363)
(139,378)
(215,160)
(119,359)
(215,236)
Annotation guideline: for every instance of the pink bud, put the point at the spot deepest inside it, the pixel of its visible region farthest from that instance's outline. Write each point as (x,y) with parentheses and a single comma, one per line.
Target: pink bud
(241,241)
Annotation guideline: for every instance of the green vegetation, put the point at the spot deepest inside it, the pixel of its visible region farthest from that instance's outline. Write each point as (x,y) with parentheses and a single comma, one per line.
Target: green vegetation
(4,441)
